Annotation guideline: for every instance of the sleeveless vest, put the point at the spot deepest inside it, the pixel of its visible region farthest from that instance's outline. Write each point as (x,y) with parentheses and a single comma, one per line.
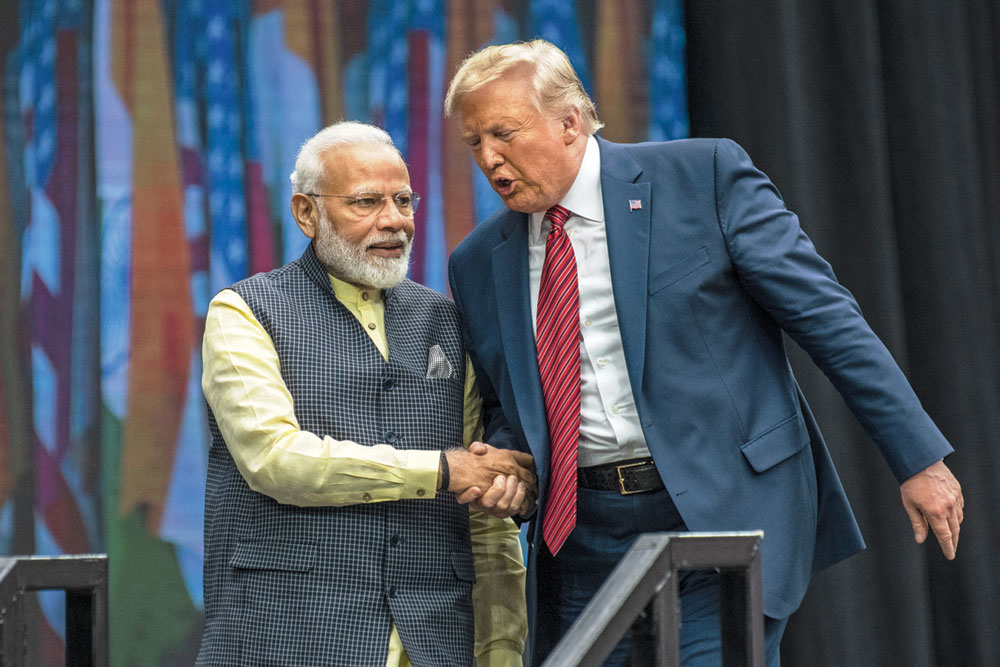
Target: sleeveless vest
(289,585)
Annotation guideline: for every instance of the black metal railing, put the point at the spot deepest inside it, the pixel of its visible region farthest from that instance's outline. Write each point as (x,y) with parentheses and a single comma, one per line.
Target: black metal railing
(85,580)
(647,579)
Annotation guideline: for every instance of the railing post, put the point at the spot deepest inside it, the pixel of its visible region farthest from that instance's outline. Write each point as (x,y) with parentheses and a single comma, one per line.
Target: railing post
(647,575)
(666,608)
(85,580)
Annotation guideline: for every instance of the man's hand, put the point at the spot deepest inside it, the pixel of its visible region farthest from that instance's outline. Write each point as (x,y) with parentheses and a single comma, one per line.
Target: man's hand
(499,482)
(933,496)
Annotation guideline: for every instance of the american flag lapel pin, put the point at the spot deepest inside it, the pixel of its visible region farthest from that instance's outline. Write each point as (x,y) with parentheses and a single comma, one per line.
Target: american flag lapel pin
(634,205)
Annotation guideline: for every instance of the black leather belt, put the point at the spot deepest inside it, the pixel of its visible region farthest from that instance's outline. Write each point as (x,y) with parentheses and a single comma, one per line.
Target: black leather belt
(625,477)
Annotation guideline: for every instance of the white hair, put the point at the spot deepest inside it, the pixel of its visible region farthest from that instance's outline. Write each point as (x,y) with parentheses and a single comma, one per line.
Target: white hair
(349,261)
(309,167)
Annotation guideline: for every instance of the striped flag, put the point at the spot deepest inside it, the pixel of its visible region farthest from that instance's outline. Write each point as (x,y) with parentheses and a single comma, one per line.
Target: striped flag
(148,326)
(287,96)
(470,27)
(58,295)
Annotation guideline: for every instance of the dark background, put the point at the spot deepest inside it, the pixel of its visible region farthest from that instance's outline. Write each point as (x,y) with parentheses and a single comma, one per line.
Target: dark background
(879,122)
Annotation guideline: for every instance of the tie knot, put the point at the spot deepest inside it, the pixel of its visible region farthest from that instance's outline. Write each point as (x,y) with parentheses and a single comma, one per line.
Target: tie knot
(558,215)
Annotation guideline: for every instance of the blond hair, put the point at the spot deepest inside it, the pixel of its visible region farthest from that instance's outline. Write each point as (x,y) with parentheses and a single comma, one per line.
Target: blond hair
(557,87)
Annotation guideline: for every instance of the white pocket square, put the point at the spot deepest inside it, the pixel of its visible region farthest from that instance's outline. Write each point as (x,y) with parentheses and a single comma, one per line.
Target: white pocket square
(438,365)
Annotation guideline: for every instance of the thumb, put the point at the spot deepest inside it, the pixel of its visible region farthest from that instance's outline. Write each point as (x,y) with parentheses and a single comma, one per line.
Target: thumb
(470,494)
(479,448)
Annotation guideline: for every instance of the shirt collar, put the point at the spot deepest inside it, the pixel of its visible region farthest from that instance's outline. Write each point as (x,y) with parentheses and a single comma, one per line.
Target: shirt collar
(584,199)
(349,294)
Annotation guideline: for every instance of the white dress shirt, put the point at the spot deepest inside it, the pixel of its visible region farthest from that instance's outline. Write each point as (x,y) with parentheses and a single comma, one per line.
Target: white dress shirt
(609,423)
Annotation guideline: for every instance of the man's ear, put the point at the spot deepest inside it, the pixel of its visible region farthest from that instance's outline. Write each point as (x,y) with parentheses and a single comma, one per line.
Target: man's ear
(305,213)
(572,125)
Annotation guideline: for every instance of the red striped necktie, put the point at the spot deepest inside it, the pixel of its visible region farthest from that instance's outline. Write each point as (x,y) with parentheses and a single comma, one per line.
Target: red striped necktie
(558,341)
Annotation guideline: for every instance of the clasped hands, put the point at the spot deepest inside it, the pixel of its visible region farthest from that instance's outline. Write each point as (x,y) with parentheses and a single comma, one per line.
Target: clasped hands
(499,482)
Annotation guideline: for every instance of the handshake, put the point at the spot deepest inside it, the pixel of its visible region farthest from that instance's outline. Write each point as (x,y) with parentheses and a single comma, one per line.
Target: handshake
(499,482)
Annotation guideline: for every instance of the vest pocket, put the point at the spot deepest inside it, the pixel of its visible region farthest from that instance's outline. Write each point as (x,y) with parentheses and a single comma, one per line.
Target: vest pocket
(465,568)
(777,444)
(281,556)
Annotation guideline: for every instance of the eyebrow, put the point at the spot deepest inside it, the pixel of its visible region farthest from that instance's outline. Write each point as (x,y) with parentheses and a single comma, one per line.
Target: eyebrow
(491,129)
(367,190)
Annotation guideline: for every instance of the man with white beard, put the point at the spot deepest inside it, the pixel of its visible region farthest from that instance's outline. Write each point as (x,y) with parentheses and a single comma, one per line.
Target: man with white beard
(340,396)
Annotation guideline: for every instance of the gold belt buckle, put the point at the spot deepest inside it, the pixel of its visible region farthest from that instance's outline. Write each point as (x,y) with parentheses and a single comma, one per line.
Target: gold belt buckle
(621,478)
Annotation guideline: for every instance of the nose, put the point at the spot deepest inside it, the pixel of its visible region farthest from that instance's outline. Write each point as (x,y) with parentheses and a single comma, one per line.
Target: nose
(389,218)
(489,156)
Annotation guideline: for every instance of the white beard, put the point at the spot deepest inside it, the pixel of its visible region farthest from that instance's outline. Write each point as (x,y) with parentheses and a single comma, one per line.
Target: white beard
(351,263)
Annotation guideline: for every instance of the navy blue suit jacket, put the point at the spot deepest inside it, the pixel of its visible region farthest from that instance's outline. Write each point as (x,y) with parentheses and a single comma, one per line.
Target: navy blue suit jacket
(706,276)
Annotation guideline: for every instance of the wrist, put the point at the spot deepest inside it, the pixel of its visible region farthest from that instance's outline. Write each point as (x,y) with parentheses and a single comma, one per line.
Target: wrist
(444,473)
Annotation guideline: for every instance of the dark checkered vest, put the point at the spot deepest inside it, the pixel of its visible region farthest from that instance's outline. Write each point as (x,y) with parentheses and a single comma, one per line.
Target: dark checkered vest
(288,585)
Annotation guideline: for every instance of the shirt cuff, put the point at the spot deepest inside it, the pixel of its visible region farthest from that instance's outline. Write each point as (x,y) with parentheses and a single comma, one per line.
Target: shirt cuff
(421,473)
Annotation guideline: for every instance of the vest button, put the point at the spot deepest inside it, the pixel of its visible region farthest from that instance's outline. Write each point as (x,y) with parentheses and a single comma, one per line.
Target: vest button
(394,540)
(372,325)
(421,492)
(367,497)
(390,437)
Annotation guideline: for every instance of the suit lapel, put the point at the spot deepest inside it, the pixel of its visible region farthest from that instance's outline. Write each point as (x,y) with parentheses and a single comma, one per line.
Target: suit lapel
(510,282)
(628,248)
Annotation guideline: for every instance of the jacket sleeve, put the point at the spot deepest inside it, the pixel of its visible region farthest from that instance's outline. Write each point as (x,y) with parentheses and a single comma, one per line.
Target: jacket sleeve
(779,267)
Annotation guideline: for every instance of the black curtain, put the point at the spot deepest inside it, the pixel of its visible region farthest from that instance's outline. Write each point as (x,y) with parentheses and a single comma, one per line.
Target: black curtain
(879,121)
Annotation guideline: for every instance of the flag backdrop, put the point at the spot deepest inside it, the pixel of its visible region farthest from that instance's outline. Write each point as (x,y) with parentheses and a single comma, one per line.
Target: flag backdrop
(147,148)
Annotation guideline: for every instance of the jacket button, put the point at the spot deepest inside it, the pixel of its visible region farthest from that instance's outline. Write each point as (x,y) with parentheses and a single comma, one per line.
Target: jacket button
(394,540)
(388,384)
(392,591)
(390,437)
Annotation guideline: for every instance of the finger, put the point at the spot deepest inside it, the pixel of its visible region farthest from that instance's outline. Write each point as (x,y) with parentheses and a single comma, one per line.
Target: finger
(530,501)
(954,523)
(526,506)
(469,495)
(944,536)
(493,494)
(517,502)
(479,448)
(918,523)
(510,491)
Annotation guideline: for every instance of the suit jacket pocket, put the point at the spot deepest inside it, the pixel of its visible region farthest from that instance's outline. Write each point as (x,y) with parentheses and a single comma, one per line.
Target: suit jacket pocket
(775,445)
(464,566)
(281,556)
(679,270)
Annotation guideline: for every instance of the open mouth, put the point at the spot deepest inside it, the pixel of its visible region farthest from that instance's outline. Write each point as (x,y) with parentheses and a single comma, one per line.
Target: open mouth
(503,186)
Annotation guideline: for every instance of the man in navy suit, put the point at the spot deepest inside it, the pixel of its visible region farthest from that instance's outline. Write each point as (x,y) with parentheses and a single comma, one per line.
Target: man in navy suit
(688,269)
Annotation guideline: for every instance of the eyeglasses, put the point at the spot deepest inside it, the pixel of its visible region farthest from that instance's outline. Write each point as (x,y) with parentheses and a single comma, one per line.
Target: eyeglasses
(367,203)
